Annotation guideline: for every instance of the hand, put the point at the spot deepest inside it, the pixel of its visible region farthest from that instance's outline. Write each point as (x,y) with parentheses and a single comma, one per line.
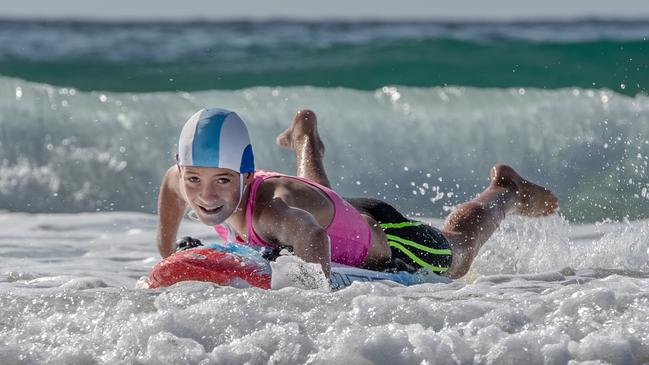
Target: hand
(186,243)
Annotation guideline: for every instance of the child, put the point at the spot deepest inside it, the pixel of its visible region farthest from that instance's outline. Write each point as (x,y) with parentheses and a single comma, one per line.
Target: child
(215,176)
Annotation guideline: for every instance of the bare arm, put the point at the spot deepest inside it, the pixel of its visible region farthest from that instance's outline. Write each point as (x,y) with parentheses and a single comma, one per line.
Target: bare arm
(296,228)
(171,208)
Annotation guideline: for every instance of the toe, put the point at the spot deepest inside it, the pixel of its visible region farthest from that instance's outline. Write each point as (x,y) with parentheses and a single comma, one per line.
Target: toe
(284,139)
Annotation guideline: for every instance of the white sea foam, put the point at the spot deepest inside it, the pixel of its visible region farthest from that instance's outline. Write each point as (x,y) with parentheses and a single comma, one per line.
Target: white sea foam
(542,291)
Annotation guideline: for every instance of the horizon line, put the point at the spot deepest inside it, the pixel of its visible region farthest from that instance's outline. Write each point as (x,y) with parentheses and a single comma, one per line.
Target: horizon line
(342,19)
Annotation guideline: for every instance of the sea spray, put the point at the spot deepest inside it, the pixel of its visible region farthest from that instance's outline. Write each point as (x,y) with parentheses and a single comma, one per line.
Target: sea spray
(67,284)
(423,150)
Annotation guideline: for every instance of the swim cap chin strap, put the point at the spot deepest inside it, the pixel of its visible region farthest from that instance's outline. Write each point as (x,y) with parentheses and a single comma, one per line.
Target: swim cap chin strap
(240,191)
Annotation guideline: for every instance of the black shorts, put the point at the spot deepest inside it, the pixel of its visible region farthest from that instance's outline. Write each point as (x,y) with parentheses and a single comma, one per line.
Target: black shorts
(413,244)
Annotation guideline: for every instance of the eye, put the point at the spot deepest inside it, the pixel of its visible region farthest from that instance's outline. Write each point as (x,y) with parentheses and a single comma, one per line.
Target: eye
(223,180)
(193,179)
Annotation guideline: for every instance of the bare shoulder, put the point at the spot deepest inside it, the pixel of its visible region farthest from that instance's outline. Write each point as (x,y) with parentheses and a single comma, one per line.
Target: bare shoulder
(171,180)
(279,196)
(271,198)
(270,211)
(280,223)
(272,188)
(294,192)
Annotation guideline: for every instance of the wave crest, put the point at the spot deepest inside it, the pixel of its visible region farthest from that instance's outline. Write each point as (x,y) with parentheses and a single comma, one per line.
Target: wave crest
(422,149)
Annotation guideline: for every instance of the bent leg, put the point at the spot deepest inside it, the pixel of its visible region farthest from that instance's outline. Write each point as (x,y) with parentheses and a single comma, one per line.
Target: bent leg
(302,136)
(471,224)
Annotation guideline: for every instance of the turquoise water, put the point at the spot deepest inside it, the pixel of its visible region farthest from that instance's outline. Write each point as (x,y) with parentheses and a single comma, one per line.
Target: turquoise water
(423,149)
(146,57)
(90,112)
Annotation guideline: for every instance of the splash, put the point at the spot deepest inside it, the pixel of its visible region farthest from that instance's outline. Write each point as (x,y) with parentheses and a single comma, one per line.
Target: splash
(63,150)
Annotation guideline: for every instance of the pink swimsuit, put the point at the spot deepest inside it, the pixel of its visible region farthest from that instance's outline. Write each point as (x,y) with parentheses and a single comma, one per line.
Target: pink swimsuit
(349,233)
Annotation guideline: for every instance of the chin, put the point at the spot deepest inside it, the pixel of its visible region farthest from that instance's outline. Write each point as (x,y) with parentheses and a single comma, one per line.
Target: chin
(213,219)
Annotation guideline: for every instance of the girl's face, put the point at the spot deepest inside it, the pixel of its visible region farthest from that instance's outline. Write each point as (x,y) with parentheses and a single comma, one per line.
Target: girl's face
(213,193)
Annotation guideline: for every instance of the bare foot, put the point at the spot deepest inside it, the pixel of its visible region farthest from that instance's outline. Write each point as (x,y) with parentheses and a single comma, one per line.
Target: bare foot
(304,126)
(533,200)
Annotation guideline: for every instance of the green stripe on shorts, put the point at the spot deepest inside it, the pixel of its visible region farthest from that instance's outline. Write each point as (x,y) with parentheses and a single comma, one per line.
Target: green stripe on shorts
(416,259)
(418,246)
(400,225)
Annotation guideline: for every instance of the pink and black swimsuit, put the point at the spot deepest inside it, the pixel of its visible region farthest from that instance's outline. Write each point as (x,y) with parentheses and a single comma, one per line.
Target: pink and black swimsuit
(349,233)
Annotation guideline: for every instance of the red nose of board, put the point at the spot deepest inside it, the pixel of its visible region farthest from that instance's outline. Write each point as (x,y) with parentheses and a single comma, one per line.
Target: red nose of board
(207,264)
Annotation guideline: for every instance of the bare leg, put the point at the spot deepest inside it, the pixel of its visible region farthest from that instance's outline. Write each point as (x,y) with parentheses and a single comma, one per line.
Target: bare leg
(302,136)
(467,228)
(470,225)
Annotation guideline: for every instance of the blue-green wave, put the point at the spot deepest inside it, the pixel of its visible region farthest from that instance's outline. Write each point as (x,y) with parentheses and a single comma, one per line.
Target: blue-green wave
(206,56)
(422,149)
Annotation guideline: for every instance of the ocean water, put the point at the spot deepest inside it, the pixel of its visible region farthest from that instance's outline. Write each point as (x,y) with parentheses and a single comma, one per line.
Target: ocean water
(424,149)
(412,112)
(542,292)
(145,57)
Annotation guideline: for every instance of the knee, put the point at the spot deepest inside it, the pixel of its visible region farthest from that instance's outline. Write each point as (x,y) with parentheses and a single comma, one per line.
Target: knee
(457,272)
(466,217)
(461,263)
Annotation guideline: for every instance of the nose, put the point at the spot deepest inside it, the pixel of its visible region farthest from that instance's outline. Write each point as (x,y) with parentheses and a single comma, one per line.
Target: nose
(208,192)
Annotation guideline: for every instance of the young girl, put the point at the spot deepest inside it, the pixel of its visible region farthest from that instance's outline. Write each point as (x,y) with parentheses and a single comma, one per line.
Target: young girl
(215,176)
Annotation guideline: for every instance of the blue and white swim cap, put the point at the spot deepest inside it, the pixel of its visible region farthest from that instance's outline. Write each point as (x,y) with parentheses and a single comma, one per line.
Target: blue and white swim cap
(216,138)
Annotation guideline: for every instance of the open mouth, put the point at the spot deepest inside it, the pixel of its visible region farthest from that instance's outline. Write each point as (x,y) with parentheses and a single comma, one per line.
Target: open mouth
(211,210)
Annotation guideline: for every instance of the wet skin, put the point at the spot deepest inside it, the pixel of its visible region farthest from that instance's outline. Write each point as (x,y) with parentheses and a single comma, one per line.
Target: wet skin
(287,212)
(467,227)
(292,213)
